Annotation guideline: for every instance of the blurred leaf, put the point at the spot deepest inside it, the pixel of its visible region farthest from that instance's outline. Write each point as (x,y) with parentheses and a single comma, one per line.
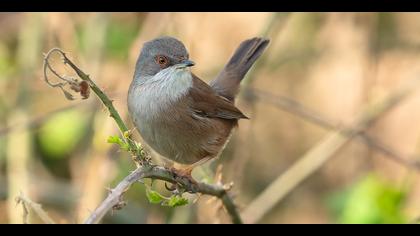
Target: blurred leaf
(114,139)
(369,201)
(176,201)
(387,36)
(119,38)
(154,197)
(6,66)
(60,134)
(2,150)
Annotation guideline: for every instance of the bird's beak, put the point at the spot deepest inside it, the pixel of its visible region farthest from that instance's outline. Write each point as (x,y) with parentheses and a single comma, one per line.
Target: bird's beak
(187,63)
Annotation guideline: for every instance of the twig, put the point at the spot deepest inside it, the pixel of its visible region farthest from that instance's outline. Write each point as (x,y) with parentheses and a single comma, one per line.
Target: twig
(25,213)
(28,204)
(144,168)
(320,153)
(294,107)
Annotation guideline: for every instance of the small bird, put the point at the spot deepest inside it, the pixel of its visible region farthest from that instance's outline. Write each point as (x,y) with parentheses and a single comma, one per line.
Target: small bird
(177,114)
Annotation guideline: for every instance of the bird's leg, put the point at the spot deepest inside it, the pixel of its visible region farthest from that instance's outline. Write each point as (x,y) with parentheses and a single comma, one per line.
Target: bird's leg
(186,170)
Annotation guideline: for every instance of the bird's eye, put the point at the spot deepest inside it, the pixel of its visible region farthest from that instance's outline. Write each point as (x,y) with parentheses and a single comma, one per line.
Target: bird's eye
(162,60)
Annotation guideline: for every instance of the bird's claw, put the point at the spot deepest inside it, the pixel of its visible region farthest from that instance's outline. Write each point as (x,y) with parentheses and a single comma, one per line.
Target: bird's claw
(171,188)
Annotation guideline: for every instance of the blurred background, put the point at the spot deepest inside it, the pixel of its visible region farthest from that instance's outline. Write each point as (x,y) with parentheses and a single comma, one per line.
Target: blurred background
(333,66)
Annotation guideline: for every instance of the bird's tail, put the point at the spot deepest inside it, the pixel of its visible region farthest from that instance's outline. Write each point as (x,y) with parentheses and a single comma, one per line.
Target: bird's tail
(228,80)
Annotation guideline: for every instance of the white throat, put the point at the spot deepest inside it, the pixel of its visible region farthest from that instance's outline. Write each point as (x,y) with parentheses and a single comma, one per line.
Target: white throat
(170,82)
(151,95)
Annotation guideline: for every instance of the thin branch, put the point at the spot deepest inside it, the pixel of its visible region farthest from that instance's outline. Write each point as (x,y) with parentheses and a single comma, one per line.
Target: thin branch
(47,65)
(294,107)
(144,168)
(28,204)
(25,213)
(114,197)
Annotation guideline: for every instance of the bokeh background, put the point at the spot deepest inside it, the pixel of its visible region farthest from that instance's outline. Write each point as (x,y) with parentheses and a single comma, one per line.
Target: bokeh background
(335,65)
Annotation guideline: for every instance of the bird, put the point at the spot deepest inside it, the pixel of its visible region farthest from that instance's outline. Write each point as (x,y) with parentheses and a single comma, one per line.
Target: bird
(181,117)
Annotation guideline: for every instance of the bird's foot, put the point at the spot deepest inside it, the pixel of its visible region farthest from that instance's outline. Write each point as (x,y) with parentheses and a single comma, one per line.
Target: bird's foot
(181,174)
(184,173)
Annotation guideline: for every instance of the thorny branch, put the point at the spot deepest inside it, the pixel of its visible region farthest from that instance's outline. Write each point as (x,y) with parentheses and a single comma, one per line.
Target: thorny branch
(157,172)
(144,167)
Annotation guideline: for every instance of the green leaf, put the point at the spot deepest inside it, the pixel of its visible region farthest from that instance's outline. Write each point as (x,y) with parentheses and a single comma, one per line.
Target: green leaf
(154,197)
(176,201)
(114,139)
(125,147)
(119,38)
(117,140)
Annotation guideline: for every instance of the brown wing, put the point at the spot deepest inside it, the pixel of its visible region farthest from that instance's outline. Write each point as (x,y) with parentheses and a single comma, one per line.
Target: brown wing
(206,102)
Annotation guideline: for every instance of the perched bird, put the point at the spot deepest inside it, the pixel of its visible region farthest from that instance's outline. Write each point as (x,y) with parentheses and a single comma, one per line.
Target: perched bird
(180,116)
